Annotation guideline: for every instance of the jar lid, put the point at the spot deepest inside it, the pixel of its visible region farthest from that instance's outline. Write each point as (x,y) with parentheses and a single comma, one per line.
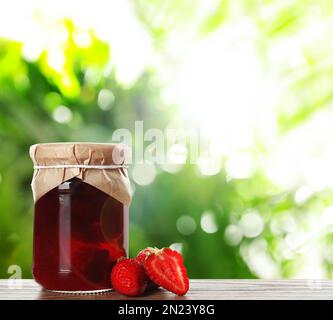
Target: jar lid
(102,165)
(79,153)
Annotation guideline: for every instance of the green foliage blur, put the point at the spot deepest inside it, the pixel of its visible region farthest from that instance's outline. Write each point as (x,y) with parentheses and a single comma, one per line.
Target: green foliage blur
(42,103)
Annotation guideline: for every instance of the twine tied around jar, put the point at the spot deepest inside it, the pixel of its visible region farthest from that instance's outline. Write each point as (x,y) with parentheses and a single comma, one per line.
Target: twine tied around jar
(83,166)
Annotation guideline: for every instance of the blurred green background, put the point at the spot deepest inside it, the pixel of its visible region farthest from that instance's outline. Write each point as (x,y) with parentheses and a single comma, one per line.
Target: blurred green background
(254,77)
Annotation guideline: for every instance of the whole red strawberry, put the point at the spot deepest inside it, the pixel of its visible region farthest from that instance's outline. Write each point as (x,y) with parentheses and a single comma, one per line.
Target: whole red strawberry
(165,267)
(129,278)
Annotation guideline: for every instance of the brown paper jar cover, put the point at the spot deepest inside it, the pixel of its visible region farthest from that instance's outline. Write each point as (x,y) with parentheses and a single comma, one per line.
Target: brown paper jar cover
(113,181)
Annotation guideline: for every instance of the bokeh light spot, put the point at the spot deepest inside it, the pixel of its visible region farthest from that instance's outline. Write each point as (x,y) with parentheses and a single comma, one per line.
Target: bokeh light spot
(233,235)
(186,225)
(208,222)
(303,194)
(251,224)
(209,166)
(105,99)
(62,114)
(144,174)
(177,246)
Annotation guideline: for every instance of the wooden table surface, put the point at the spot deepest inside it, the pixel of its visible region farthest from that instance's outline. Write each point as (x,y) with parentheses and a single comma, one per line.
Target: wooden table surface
(199,289)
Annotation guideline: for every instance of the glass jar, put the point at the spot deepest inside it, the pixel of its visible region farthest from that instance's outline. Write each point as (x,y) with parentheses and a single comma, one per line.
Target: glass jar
(79,230)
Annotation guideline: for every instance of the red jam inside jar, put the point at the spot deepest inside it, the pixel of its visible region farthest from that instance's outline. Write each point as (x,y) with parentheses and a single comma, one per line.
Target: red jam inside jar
(79,233)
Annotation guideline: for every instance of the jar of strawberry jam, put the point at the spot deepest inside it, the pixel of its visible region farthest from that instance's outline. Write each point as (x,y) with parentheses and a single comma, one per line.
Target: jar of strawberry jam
(81,193)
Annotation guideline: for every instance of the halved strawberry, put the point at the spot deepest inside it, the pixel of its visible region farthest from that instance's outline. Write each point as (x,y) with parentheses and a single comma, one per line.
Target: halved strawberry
(143,254)
(166,268)
(141,258)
